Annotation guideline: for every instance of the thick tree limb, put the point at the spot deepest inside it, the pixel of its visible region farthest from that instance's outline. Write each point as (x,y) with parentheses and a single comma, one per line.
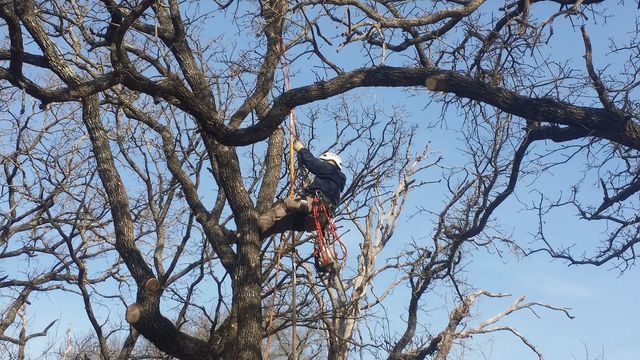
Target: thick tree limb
(599,122)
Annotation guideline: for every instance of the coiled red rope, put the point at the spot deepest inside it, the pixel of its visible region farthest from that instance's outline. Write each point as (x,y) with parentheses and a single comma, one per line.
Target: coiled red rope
(322,252)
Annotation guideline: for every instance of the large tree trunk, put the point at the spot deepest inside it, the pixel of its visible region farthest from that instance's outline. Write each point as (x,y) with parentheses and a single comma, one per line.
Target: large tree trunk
(247,301)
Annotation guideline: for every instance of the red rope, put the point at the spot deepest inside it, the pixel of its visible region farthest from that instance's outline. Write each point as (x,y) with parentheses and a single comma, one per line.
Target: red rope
(323,252)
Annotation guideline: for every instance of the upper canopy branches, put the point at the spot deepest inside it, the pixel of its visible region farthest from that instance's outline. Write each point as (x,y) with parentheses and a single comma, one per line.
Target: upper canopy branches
(174,53)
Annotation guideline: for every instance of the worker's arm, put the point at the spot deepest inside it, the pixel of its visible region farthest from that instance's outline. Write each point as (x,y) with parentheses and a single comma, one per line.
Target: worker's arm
(315,165)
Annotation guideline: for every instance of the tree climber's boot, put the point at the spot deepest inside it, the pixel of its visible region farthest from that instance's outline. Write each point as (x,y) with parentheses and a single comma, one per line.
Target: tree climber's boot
(324,259)
(330,259)
(324,264)
(318,263)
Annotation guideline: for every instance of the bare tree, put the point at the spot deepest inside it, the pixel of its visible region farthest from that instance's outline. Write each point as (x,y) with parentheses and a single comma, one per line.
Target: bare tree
(142,139)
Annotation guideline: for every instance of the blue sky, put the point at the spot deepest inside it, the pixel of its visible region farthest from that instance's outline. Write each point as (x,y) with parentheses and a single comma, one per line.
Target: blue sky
(601,302)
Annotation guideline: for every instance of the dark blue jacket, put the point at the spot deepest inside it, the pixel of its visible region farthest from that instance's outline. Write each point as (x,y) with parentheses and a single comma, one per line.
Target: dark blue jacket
(328,177)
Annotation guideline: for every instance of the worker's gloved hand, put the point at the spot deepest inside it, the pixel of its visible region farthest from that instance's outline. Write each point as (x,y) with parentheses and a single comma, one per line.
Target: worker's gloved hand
(294,203)
(297,145)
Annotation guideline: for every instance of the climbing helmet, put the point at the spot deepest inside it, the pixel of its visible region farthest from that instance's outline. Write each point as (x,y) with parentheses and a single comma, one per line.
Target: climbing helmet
(329,156)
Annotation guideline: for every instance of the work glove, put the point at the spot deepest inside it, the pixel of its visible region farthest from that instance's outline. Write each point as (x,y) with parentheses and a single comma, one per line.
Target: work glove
(292,203)
(297,145)
(295,204)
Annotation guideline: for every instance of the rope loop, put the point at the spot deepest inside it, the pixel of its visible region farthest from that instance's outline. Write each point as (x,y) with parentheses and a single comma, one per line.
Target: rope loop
(327,243)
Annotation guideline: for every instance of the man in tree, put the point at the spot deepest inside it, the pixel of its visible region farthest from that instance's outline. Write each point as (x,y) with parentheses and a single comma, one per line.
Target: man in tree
(105,138)
(296,213)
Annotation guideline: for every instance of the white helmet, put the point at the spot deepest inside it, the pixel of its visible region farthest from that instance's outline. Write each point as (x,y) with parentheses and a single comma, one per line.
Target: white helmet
(329,156)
